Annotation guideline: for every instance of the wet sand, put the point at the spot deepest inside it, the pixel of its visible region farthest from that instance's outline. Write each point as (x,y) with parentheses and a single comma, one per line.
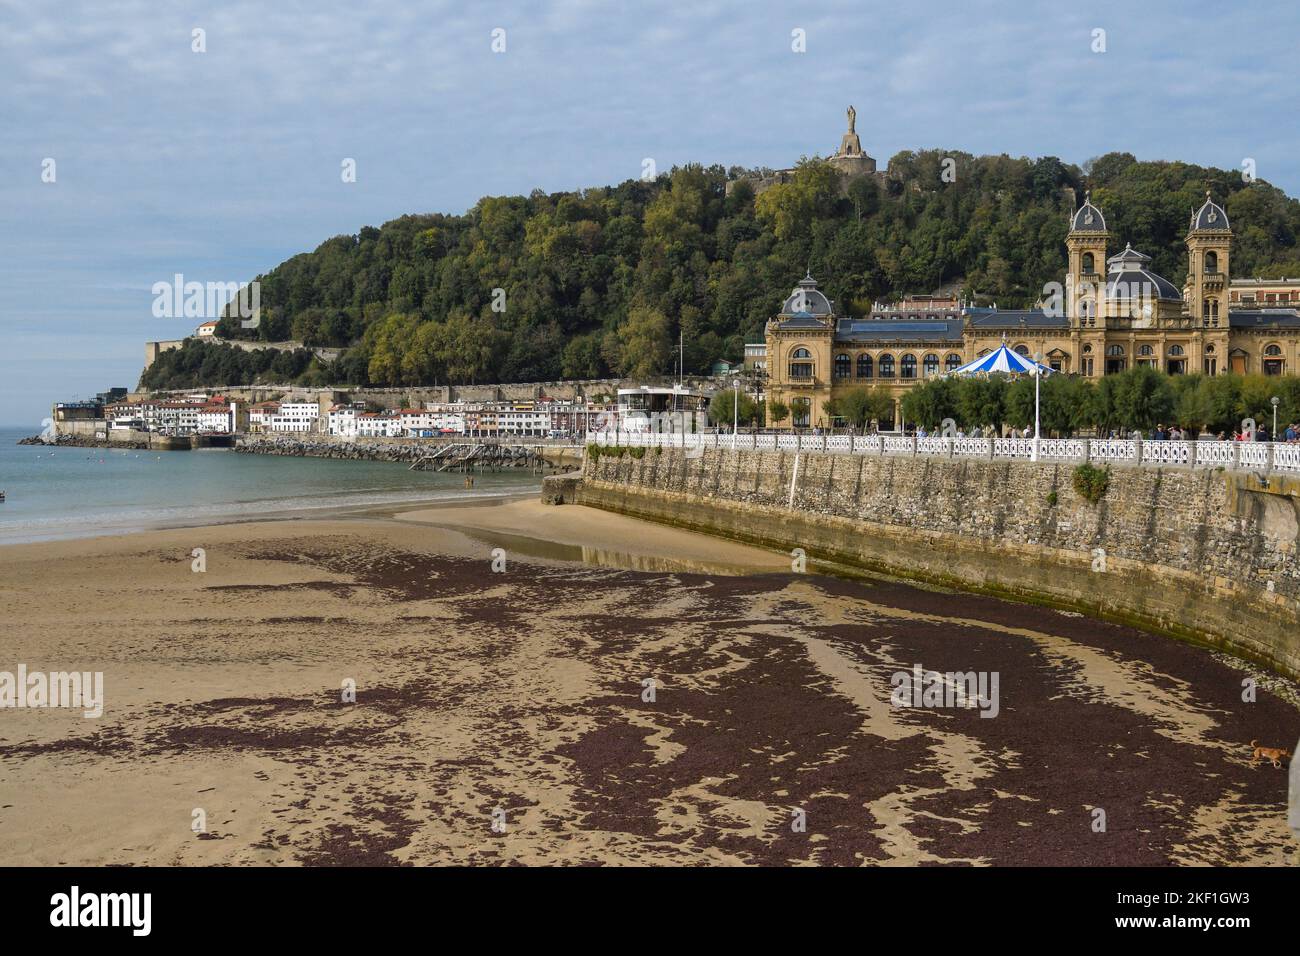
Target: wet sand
(501,716)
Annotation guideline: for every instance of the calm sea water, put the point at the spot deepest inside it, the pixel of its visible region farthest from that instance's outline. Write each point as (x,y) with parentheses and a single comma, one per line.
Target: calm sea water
(78,492)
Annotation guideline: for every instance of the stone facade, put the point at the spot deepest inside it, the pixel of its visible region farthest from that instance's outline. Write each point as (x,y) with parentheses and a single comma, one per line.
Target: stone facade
(1203,555)
(1109,314)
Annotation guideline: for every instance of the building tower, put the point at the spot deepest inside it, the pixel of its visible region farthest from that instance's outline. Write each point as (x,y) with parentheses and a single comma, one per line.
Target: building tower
(1209,244)
(1086,278)
(799,354)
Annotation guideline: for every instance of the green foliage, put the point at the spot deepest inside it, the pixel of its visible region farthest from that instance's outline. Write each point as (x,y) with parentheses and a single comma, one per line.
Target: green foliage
(723,406)
(602,280)
(931,402)
(200,364)
(1138,399)
(1091,482)
(982,402)
(861,406)
(1052,499)
(777,412)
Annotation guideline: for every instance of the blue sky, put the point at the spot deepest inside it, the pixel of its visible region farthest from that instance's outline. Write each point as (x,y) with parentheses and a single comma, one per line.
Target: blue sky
(219,165)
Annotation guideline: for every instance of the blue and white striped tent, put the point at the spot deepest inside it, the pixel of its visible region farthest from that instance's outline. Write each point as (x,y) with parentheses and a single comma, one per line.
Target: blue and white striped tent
(1002,360)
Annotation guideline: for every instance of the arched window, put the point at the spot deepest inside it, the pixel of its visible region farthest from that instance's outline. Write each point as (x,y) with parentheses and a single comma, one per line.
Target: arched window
(1273,363)
(1209,350)
(1115,350)
(953,361)
(843,366)
(801,366)
(909,366)
(1175,350)
(1087,349)
(930,365)
(1089,264)
(1145,350)
(1211,311)
(1023,350)
(864,366)
(1212,263)
(886,366)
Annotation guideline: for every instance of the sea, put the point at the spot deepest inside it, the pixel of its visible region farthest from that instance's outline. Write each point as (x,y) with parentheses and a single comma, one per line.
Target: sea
(64,492)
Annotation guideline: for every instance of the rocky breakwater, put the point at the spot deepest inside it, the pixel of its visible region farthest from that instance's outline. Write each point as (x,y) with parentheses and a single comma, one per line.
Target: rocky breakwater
(354,450)
(78,441)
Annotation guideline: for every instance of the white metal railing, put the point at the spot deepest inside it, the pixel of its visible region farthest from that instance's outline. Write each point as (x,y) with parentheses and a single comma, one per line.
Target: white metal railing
(1255,456)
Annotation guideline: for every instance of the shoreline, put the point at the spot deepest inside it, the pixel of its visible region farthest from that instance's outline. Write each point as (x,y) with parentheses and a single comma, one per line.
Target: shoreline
(286,515)
(522,691)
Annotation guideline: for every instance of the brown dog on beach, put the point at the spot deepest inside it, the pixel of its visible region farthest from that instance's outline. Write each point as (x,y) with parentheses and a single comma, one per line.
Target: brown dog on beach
(1273,754)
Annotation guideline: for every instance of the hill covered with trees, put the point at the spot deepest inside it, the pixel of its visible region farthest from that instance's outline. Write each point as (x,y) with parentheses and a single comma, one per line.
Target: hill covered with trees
(600,281)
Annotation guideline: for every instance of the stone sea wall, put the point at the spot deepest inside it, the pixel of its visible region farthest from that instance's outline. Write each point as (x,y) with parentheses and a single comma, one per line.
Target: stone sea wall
(1205,555)
(319,446)
(386,449)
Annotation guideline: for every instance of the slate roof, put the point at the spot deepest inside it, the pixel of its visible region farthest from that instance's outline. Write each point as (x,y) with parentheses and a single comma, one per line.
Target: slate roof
(1210,217)
(986,318)
(898,330)
(1088,218)
(807,299)
(802,320)
(1263,318)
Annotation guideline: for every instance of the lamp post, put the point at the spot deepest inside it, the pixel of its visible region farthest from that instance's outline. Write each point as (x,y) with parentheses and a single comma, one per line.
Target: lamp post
(1275,402)
(1038,374)
(735,409)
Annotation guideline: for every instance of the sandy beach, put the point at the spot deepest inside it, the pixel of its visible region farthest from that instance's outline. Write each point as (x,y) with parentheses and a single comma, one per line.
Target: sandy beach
(505,716)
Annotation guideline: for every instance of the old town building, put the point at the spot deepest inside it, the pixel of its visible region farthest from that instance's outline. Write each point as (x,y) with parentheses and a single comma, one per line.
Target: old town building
(1111,313)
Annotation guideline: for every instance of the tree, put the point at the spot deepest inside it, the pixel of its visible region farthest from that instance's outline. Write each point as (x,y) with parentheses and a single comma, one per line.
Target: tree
(723,405)
(777,412)
(1143,398)
(981,400)
(859,407)
(929,403)
(644,343)
(1061,401)
(588,266)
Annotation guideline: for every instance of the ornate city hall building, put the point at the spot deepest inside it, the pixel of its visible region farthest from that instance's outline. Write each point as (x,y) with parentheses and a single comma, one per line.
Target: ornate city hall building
(1111,313)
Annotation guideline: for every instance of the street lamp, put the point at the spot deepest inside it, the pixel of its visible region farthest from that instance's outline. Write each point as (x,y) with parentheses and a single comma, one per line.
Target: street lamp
(1038,374)
(735,409)
(1275,402)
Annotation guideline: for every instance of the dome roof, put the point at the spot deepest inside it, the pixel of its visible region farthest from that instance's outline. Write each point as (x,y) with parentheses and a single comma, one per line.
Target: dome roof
(1210,216)
(1129,278)
(807,299)
(1088,218)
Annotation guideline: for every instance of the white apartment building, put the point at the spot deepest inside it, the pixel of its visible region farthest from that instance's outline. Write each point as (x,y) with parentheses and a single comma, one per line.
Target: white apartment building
(416,422)
(217,417)
(379,425)
(342,420)
(176,418)
(295,417)
(260,415)
(528,422)
(447,423)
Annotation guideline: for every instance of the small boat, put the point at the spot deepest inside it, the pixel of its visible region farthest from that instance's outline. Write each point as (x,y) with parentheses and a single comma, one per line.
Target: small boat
(2,496)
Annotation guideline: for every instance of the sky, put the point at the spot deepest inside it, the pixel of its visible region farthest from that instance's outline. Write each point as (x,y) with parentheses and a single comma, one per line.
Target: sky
(218,165)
